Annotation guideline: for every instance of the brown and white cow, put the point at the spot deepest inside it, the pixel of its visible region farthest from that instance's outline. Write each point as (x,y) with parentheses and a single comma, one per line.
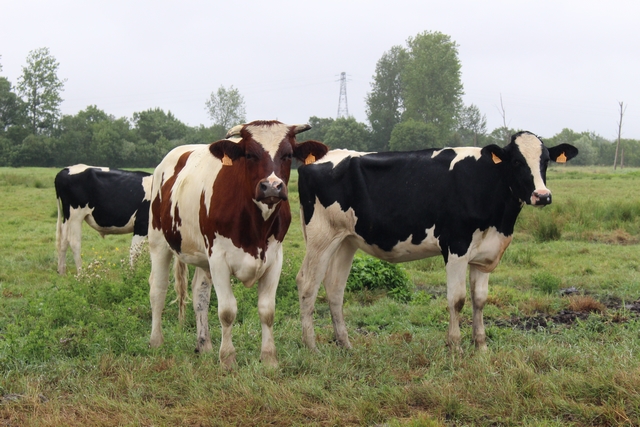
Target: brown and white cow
(224,208)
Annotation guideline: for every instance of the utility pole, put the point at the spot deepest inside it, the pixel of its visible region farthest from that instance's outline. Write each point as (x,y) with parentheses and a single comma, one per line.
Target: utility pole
(343,108)
(622,110)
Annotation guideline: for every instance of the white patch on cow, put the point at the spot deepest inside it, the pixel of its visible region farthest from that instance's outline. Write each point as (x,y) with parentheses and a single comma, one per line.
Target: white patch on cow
(265,210)
(146,185)
(127,228)
(406,251)
(241,264)
(338,155)
(531,148)
(269,137)
(461,154)
(79,168)
(486,249)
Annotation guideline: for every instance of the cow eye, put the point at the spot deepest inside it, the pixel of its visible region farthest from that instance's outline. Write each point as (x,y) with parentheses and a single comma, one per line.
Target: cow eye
(250,156)
(286,157)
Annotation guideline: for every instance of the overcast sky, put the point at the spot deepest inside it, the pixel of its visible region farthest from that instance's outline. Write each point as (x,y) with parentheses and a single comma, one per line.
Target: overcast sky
(556,64)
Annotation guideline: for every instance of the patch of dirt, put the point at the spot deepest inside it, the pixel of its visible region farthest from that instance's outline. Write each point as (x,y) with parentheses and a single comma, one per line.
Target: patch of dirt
(618,312)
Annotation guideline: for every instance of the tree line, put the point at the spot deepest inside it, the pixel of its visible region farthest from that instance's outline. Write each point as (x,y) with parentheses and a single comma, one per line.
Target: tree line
(415,102)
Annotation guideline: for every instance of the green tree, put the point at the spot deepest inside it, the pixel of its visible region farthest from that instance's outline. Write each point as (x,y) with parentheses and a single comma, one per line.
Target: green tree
(347,133)
(500,136)
(472,126)
(205,135)
(319,128)
(226,107)
(432,87)
(414,135)
(40,88)
(420,82)
(154,123)
(385,101)
(11,106)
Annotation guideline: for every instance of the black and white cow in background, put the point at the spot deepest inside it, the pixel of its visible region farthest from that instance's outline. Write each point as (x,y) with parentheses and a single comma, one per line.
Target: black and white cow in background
(112,201)
(461,203)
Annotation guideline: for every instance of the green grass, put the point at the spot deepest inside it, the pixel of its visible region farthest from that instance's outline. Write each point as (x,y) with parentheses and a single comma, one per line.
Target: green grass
(73,350)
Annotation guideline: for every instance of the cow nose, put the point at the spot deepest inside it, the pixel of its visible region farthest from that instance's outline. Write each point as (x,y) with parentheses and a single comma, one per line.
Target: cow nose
(541,198)
(271,189)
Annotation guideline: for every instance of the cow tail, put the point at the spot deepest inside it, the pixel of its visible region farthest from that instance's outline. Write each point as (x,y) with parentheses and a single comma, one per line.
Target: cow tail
(181,276)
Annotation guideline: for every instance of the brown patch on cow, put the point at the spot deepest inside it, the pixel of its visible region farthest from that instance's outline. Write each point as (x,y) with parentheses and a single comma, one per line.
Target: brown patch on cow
(163,218)
(268,319)
(227,317)
(232,211)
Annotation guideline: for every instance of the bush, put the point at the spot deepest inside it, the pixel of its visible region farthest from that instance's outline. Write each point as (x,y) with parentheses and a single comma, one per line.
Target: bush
(371,273)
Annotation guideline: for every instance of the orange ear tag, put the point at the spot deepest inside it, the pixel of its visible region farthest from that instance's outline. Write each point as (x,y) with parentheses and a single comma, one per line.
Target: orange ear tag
(310,159)
(561,158)
(226,160)
(495,158)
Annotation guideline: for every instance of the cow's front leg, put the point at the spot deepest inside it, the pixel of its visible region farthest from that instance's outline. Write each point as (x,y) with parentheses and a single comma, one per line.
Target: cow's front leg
(201,291)
(479,284)
(267,287)
(227,309)
(456,292)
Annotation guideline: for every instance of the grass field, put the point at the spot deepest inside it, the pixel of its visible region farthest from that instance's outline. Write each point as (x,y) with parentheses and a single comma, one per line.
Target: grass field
(562,323)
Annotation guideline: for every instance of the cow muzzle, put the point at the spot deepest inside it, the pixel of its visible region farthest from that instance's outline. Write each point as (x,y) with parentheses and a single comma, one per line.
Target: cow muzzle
(271,191)
(541,198)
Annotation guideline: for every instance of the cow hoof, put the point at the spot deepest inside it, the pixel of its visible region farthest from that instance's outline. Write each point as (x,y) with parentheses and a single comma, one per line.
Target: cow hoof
(228,360)
(270,360)
(155,342)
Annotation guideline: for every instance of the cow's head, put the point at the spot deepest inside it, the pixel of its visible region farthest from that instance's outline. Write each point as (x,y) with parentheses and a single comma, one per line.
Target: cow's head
(525,160)
(262,152)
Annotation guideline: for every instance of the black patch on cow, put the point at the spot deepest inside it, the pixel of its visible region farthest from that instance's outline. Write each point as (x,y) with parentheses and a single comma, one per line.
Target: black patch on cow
(400,194)
(114,195)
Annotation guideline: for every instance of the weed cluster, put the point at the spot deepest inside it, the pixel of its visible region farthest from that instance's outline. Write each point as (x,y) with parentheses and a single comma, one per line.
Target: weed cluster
(373,274)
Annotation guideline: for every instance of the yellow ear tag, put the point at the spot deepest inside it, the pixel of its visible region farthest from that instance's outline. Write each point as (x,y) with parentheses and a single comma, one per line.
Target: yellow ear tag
(561,158)
(226,160)
(310,159)
(495,158)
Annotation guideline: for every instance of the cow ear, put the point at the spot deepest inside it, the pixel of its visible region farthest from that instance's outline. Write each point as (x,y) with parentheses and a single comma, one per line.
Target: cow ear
(562,153)
(310,151)
(227,151)
(494,152)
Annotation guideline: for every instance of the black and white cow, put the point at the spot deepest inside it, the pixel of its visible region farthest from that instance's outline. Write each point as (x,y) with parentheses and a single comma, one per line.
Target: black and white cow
(112,201)
(461,203)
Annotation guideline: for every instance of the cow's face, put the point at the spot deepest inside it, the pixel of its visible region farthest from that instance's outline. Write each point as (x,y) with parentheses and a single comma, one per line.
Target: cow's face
(263,158)
(525,160)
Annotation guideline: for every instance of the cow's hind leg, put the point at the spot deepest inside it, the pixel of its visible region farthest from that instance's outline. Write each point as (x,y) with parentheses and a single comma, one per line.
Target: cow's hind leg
(479,284)
(74,238)
(312,271)
(456,292)
(335,281)
(201,290)
(158,284)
